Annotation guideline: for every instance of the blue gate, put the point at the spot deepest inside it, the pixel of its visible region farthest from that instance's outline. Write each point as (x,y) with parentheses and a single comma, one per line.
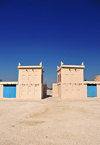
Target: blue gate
(91,90)
(9,91)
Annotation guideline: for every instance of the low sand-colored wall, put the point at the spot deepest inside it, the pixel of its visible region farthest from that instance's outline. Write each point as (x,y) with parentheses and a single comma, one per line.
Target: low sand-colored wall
(1,91)
(55,90)
(98,91)
(73,91)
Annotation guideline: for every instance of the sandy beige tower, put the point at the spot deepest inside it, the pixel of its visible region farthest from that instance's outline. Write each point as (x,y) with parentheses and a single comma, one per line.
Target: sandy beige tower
(70,80)
(30,82)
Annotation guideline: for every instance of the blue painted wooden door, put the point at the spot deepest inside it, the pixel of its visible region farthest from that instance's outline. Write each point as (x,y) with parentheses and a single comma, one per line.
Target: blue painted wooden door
(9,91)
(92,91)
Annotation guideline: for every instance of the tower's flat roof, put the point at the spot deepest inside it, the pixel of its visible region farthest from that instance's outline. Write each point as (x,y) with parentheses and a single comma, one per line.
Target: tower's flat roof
(71,66)
(30,67)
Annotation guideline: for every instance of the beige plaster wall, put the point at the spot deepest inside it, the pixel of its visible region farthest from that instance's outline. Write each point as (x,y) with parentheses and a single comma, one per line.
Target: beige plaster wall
(98,91)
(72,91)
(1,91)
(30,76)
(71,75)
(30,83)
(55,90)
(17,91)
(59,90)
(30,91)
(84,91)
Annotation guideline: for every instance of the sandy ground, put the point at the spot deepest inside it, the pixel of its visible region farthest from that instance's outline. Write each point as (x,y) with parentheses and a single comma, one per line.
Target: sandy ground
(50,122)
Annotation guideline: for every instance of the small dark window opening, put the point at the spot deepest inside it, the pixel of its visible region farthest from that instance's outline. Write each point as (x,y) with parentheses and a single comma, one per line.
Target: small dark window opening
(9,85)
(91,85)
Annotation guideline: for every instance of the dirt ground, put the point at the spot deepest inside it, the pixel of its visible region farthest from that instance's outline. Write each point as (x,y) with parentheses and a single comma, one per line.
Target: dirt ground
(50,122)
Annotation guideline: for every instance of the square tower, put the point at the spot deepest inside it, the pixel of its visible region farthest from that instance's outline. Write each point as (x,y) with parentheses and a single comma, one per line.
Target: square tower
(30,81)
(70,73)
(70,80)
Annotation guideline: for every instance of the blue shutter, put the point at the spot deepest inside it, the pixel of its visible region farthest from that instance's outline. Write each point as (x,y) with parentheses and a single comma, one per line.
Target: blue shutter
(9,91)
(91,90)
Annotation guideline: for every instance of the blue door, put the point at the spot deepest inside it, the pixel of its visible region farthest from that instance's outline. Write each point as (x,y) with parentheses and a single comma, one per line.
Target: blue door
(9,91)
(91,90)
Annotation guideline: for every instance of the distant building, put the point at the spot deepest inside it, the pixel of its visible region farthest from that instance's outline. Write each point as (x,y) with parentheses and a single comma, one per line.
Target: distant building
(71,84)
